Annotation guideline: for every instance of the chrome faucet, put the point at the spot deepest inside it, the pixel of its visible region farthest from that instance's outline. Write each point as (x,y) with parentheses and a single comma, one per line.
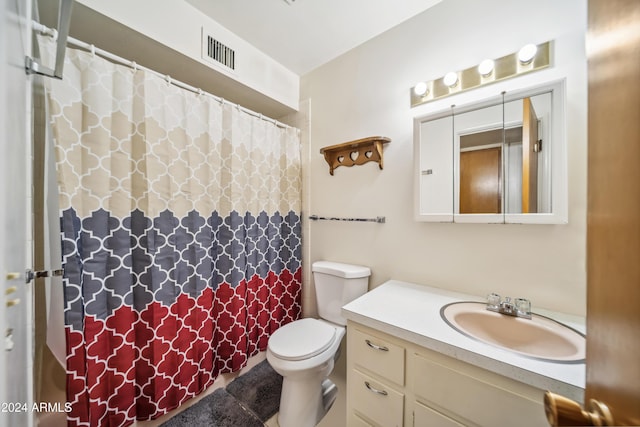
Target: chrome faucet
(520,308)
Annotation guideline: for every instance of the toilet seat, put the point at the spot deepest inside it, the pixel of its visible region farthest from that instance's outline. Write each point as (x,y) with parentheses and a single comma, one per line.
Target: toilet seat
(302,339)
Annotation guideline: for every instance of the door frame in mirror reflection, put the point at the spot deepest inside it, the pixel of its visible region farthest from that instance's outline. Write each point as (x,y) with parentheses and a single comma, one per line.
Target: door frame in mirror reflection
(437,163)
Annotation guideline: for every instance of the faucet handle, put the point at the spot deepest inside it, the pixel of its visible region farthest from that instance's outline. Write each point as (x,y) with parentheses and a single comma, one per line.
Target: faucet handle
(523,306)
(493,300)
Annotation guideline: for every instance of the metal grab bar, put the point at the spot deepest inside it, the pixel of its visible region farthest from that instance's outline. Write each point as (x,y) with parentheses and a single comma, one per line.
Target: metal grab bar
(379,219)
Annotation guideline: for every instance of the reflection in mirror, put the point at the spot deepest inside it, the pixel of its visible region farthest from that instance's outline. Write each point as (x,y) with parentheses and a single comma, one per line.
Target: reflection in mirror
(527,155)
(478,142)
(501,160)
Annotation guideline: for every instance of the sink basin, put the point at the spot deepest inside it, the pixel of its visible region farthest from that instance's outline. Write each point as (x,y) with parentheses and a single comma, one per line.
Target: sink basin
(539,337)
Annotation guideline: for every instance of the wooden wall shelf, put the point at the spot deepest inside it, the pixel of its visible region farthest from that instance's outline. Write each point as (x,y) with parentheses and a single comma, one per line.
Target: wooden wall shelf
(356,152)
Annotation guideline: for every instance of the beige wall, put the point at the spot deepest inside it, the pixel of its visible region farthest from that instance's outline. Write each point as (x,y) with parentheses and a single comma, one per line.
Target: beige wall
(366,92)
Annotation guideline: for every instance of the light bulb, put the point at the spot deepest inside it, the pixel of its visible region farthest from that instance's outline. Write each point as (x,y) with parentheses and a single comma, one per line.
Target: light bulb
(527,53)
(486,67)
(450,79)
(421,89)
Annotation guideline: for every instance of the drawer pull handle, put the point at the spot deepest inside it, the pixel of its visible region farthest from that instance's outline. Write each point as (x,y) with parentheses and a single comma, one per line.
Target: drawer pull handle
(375,390)
(376,347)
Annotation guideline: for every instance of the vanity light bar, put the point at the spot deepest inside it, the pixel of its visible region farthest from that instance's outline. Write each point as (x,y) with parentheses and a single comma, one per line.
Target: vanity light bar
(529,58)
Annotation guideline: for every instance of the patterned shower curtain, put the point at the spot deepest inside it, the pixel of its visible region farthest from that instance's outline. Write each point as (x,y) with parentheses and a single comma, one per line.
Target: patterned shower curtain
(180,221)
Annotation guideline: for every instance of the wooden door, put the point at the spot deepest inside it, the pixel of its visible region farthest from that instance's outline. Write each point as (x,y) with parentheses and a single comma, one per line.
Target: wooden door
(481,181)
(613,227)
(613,211)
(529,158)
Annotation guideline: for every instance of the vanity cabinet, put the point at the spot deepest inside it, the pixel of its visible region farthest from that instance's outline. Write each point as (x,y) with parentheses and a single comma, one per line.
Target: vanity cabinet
(395,383)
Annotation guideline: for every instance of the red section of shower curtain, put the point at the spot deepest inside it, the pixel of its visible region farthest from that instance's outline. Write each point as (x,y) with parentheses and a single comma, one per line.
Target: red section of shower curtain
(142,365)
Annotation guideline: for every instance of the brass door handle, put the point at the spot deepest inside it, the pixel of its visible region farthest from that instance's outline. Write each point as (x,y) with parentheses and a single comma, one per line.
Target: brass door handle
(566,412)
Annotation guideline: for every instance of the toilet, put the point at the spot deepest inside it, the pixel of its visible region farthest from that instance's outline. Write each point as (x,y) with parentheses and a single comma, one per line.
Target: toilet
(304,351)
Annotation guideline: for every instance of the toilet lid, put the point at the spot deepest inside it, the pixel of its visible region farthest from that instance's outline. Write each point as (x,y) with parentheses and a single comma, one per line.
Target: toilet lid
(302,339)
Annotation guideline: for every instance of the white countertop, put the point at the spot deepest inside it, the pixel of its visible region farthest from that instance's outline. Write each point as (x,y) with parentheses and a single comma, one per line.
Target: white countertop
(412,312)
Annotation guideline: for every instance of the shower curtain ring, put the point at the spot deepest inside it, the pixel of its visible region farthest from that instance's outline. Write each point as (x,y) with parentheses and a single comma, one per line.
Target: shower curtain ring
(93,50)
(134,65)
(168,78)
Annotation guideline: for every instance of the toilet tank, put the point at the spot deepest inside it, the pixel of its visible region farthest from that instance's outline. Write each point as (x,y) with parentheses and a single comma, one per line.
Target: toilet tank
(337,284)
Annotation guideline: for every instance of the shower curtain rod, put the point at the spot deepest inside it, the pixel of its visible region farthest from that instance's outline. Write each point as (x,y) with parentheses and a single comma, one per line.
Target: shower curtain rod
(44,30)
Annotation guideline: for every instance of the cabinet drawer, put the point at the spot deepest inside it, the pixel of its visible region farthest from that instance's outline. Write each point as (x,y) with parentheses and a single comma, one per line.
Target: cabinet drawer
(376,401)
(424,416)
(378,355)
(472,394)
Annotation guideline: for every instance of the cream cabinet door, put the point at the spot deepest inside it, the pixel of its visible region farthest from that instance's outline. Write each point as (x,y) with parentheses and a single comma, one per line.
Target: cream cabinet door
(475,396)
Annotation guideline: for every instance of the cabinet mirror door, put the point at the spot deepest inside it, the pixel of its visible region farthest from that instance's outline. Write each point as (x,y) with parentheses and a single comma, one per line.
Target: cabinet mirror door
(436,172)
(499,161)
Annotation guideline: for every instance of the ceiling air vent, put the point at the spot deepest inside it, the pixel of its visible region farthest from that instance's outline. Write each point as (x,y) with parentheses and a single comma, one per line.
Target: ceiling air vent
(218,52)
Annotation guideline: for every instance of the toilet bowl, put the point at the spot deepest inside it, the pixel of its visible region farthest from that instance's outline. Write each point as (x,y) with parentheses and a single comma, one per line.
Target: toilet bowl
(304,351)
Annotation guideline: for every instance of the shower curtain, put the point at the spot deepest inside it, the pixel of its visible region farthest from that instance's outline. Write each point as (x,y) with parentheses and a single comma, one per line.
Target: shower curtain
(181,246)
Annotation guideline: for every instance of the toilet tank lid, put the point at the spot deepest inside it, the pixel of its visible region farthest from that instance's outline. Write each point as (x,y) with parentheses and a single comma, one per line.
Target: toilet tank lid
(348,271)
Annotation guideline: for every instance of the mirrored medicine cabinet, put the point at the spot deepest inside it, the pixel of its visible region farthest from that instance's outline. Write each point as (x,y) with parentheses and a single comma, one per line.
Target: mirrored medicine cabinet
(499,160)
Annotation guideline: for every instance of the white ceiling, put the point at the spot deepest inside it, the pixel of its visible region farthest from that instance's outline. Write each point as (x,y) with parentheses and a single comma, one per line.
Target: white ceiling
(304,34)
